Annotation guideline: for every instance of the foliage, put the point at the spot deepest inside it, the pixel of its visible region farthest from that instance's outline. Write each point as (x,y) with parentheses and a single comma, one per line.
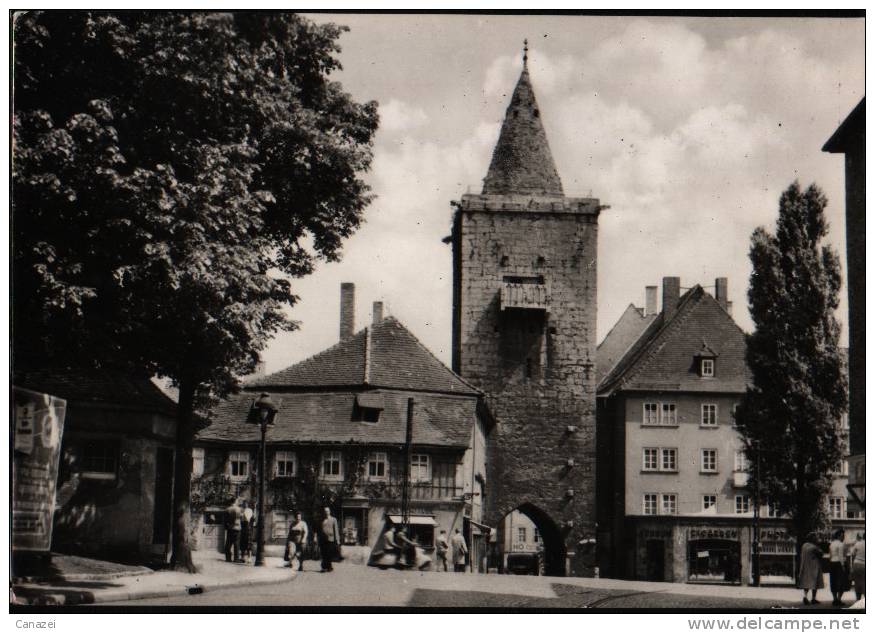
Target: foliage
(790,415)
(170,170)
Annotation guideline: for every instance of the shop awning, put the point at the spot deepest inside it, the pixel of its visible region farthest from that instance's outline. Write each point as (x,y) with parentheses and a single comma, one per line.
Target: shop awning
(416,519)
(480,527)
(370,401)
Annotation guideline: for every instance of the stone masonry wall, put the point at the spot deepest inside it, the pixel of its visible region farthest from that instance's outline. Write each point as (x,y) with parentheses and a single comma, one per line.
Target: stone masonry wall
(537,369)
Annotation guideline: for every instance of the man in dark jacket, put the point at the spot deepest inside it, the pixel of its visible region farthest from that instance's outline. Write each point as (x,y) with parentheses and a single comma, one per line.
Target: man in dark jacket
(329,538)
(232,531)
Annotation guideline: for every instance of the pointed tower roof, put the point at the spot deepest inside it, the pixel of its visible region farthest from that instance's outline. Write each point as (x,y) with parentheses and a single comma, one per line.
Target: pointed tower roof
(521,161)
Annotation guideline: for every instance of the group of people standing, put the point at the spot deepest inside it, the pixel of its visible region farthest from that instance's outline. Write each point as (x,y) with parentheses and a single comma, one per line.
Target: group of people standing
(239,521)
(846,565)
(327,537)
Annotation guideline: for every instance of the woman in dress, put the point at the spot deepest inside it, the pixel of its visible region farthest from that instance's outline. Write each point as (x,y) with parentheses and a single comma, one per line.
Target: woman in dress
(837,576)
(298,532)
(246,518)
(810,573)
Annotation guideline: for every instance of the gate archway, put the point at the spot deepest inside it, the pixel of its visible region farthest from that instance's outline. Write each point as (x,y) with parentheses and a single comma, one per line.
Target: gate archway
(550,543)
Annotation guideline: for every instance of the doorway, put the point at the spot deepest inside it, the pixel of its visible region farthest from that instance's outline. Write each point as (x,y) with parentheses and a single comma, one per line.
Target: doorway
(655,562)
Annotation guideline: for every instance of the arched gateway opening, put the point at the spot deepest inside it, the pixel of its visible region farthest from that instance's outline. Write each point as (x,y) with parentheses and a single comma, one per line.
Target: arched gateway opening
(528,541)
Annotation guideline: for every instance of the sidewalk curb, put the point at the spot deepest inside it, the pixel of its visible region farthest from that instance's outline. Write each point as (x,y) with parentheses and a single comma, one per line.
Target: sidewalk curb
(19,580)
(73,598)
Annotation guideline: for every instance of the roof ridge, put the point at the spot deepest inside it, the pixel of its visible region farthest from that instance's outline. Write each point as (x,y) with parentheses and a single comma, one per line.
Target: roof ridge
(682,313)
(616,323)
(430,353)
(625,370)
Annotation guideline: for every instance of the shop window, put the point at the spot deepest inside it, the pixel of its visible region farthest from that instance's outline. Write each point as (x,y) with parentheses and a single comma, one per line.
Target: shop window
(238,465)
(420,468)
(836,507)
(285,464)
(742,504)
(649,504)
(709,415)
(197,462)
(709,460)
(331,466)
(377,466)
(100,459)
(741,461)
(669,461)
(669,504)
(709,501)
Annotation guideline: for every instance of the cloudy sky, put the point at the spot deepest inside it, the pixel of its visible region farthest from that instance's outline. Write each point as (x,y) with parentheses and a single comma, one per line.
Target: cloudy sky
(689,128)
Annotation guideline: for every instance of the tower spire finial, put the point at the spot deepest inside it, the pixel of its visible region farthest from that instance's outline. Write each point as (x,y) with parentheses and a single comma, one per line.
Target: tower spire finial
(526,52)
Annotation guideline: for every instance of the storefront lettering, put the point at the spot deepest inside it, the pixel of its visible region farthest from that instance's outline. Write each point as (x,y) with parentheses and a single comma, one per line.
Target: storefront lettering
(697,534)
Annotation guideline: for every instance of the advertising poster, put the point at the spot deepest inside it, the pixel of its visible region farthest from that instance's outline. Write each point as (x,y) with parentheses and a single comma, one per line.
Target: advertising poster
(38,425)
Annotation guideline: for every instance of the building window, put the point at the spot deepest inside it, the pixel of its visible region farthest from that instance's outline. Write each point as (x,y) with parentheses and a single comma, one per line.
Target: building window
(238,465)
(709,460)
(649,504)
(669,459)
(836,507)
(536,536)
(521,534)
(733,414)
(669,504)
(741,462)
(285,464)
(707,368)
(197,462)
(651,413)
(845,422)
(651,459)
(709,501)
(742,504)
(771,512)
(332,465)
(669,414)
(377,466)
(840,469)
(420,468)
(100,459)
(709,415)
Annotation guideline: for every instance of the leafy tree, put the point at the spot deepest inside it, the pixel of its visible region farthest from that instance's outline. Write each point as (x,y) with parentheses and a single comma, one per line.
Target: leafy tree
(789,417)
(171,170)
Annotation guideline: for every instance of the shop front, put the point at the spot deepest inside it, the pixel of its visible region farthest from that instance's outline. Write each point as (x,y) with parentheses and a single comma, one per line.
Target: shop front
(777,556)
(713,555)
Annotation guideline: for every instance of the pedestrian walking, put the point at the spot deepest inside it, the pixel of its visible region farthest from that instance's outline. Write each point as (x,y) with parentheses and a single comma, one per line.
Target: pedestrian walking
(810,572)
(858,565)
(460,550)
(298,532)
(441,548)
(232,531)
(329,537)
(837,577)
(247,517)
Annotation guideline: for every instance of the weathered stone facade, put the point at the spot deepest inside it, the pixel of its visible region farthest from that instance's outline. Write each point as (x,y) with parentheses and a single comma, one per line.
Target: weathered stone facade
(524,320)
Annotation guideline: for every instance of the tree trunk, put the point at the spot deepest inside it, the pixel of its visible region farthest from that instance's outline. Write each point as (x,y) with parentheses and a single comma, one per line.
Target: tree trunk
(181,557)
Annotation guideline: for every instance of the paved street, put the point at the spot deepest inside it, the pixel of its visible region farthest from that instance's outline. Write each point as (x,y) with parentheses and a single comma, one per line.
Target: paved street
(359,586)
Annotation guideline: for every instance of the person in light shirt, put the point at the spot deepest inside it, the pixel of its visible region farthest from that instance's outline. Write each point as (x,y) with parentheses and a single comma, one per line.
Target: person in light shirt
(837,576)
(858,565)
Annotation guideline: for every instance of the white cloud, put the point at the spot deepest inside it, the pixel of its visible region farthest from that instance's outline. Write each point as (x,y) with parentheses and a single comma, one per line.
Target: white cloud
(398,116)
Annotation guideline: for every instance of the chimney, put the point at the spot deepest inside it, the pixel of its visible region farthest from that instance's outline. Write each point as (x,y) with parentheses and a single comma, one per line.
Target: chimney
(721,292)
(671,294)
(378,311)
(347,310)
(649,300)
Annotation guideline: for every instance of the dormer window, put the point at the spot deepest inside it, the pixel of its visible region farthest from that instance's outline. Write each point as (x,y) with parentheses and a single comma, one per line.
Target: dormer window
(705,361)
(368,407)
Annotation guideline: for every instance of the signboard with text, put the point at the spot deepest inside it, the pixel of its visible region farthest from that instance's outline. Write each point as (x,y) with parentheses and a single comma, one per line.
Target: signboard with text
(38,424)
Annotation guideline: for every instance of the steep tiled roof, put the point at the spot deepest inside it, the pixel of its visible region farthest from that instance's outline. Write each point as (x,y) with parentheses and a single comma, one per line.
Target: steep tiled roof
(383,355)
(621,337)
(327,417)
(96,387)
(522,162)
(662,357)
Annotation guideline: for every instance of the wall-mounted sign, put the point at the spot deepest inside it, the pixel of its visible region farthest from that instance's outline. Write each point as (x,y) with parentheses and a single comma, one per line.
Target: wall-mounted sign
(37,431)
(725,534)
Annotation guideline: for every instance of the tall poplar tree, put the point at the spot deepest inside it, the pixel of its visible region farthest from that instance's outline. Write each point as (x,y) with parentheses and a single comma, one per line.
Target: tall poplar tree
(171,172)
(790,415)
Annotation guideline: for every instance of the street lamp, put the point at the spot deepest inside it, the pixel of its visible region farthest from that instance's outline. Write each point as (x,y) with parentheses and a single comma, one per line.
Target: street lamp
(262,412)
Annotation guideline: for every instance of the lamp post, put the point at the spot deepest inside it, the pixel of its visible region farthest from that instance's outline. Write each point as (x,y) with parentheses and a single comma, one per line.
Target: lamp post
(261,412)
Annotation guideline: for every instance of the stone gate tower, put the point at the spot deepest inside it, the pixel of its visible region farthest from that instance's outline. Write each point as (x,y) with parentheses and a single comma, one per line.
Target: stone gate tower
(524,316)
